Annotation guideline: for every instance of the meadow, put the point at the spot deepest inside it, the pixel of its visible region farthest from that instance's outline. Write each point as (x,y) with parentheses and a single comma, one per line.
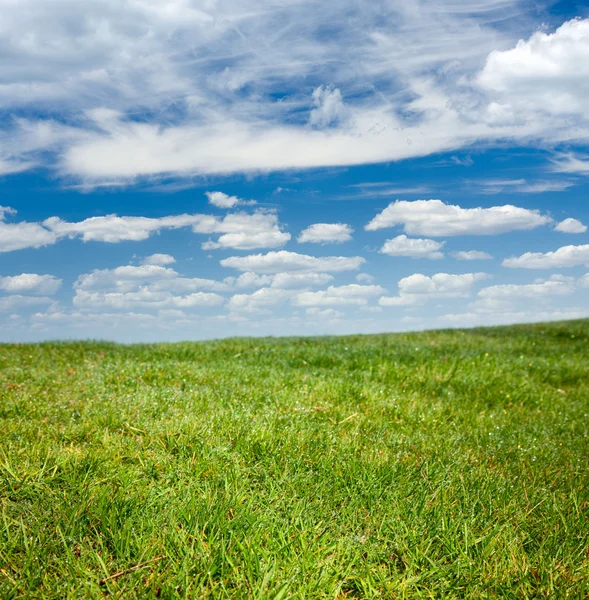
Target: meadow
(446,464)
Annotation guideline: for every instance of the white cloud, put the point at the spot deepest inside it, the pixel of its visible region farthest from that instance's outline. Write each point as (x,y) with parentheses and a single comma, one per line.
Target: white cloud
(325,313)
(239,230)
(548,73)
(126,278)
(326,233)
(413,247)
(282,280)
(17,236)
(364,278)
(566,256)
(532,290)
(17,302)
(435,218)
(408,74)
(329,107)
(284,261)
(30,283)
(252,280)
(370,309)
(570,163)
(6,211)
(259,301)
(300,280)
(113,229)
(352,294)
(144,298)
(522,186)
(222,200)
(155,277)
(401,300)
(10,167)
(571,226)
(440,284)
(418,288)
(147,287)
(510,298)
(471,255)
(243,231)
(159,260)
(249,241)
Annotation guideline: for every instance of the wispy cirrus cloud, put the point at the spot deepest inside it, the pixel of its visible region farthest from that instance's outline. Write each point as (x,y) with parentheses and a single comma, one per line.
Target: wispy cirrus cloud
(124,98)
(521,186)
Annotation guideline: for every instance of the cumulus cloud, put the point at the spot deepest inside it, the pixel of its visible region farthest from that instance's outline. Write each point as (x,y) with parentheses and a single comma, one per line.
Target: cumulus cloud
(282,280)
(130,278)
(326,233)
(498,300)
(252,280)
(435,218)
(418,288)
(159,260)
(18,302)
(352,294)
(17,236)
(6,211)
(413,247)
(440,284)
(566,256)
(241,230)
(259,301)
(249,241)
(471,255)
(265,298)
(113,229)
(284,261)
(532,290)
(222,200)
(548,73)
(300,280)
(145,287)
(571,226)
(145,299)
(30,283)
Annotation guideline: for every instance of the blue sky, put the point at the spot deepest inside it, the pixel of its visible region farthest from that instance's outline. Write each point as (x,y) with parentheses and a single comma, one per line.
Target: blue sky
(188,170)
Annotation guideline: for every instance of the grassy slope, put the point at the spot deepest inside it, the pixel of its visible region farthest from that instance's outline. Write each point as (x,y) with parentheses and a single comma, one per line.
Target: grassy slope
(442,464)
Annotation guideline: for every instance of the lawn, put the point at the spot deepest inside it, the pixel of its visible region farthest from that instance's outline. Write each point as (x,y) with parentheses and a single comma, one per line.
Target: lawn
(447,464)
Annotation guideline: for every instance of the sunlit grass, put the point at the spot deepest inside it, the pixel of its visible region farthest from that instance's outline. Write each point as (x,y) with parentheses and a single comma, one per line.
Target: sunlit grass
(435,465)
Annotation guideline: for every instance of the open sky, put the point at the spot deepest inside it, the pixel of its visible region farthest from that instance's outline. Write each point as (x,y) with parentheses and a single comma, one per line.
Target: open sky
(184,169)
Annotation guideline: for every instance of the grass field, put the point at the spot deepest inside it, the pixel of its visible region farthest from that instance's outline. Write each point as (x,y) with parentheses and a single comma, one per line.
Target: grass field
(450,464)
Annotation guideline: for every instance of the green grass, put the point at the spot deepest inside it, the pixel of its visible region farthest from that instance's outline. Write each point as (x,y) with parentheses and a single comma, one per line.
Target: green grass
(442,464)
